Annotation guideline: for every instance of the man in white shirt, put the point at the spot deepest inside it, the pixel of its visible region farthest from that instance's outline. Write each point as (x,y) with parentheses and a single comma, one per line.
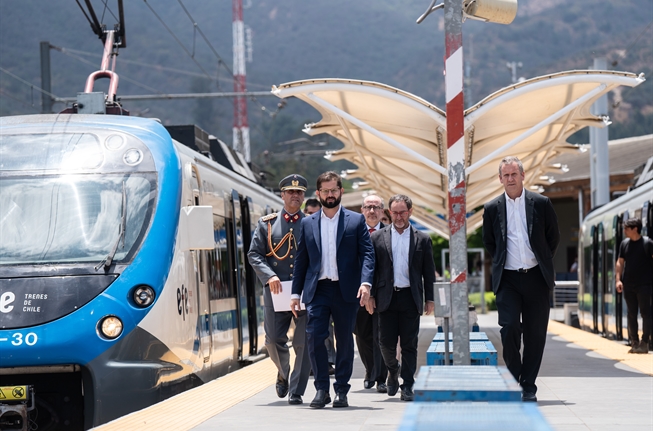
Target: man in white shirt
(520,231)
(334,268)
(404,274)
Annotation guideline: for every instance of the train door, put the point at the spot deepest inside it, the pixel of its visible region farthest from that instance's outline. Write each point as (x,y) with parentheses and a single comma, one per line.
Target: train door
(252,284)
(201,276)
(647,223)
(595,279)
(237,263)
(623,310)
(602,290)
(618,227)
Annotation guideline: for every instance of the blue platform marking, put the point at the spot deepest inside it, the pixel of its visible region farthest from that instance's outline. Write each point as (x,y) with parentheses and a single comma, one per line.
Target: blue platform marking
(480,352)
(466,383)
(473,336)
(470,416)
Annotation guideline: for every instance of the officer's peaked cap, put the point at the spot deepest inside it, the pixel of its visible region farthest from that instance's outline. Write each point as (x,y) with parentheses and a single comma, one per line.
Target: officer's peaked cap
(293,182)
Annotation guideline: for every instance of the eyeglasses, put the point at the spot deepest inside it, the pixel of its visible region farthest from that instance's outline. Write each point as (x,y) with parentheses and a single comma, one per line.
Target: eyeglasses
(398,213)
(327,192)
(372,208)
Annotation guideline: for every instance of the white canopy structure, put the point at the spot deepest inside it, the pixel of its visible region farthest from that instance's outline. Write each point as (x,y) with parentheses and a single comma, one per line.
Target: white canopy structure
(398,140)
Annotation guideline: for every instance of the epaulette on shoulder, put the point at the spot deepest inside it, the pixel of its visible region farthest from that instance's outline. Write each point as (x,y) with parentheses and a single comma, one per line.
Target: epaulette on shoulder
(269,217)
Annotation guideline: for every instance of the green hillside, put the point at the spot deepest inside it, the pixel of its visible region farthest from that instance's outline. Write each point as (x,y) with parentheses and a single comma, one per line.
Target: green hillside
(374,40)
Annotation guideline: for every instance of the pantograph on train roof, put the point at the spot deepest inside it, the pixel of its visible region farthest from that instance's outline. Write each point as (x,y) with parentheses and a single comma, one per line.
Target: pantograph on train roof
(398,140)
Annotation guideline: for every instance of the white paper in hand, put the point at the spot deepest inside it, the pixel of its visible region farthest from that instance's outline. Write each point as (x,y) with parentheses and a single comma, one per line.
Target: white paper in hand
(281,301)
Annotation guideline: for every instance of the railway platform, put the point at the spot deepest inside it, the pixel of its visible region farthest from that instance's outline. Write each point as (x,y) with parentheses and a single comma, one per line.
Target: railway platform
(586,383)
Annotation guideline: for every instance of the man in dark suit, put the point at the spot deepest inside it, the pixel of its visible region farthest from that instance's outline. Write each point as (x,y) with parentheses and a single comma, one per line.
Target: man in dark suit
(334,268)
(402,290)
(367,325)
(520,231)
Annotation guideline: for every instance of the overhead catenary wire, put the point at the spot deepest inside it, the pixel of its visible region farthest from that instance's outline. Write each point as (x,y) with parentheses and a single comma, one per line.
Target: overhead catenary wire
(123,60)
(177,39)
(35,87)
(221,61)
(139,84)
(106,7)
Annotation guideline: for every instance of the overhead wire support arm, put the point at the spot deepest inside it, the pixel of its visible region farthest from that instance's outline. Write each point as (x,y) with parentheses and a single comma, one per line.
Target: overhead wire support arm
(431,8)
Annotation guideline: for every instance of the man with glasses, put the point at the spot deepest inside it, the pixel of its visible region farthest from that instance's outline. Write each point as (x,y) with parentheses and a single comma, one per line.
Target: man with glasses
(333,270)
(634,276)
(367,325)
(272,254)
(404,266)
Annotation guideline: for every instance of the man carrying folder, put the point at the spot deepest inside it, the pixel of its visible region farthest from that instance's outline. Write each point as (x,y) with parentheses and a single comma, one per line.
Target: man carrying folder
(272,255)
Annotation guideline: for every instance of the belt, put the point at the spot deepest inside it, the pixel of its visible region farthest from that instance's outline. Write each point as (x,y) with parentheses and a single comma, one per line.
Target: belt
(399,289)
(523,270)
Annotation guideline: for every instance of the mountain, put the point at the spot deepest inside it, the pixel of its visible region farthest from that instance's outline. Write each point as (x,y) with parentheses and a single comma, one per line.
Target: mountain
(375,40)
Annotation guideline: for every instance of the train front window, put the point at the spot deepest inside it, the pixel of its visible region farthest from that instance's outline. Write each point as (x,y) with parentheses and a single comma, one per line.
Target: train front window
(72,218)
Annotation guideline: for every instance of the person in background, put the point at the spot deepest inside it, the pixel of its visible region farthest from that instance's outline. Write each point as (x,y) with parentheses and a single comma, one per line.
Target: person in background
(271,254)
(312,206)
(520,231)
(634,276)
(367,325)
(385,218)
(402,291)
(334,270)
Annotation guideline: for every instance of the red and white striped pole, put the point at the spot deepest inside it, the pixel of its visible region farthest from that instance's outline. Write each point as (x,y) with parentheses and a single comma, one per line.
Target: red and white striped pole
(241,126)
(457,185)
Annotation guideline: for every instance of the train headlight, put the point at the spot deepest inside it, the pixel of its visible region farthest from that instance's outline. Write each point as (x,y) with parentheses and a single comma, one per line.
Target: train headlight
(110,327)
(132,157)
(144,296)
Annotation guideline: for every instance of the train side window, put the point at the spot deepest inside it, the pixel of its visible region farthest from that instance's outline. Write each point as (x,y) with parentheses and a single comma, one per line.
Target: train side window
(647,212)
(219,285)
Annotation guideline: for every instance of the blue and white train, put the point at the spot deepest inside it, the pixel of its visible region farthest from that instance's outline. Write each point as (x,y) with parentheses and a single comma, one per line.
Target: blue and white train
(123,272)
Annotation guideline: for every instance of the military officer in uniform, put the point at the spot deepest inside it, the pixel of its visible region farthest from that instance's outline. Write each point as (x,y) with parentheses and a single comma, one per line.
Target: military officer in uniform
(272,254)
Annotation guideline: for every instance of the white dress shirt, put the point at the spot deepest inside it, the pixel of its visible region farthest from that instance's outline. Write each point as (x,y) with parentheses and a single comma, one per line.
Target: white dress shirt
(400,248)
(328,237)
(518,246)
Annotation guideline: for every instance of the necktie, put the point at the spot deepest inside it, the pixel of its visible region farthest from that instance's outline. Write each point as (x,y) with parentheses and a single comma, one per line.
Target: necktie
(372,230)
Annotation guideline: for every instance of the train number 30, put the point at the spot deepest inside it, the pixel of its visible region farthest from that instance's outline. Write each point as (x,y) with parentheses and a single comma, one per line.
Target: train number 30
(30,339)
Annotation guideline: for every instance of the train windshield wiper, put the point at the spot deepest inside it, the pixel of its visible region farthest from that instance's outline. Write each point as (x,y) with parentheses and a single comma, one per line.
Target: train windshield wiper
(108,260)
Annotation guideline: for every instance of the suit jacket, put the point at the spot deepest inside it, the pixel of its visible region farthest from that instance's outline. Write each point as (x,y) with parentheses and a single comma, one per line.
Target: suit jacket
(354,255)
(421,269)
(543,234)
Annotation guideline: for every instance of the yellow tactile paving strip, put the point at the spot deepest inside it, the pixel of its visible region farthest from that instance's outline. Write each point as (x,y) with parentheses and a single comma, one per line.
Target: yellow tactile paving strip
(608,348)
(201,403)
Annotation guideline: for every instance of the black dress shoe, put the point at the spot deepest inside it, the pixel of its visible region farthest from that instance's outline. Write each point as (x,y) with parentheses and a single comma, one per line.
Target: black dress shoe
(321,399)
(393,383)
(282,386)
(407,394)
(528,397)
(295,399)
(340,401)
(368,384)
(381,388)
(332,370)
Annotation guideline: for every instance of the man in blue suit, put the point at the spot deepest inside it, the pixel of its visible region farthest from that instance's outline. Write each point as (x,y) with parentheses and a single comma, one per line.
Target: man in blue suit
(334,269)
